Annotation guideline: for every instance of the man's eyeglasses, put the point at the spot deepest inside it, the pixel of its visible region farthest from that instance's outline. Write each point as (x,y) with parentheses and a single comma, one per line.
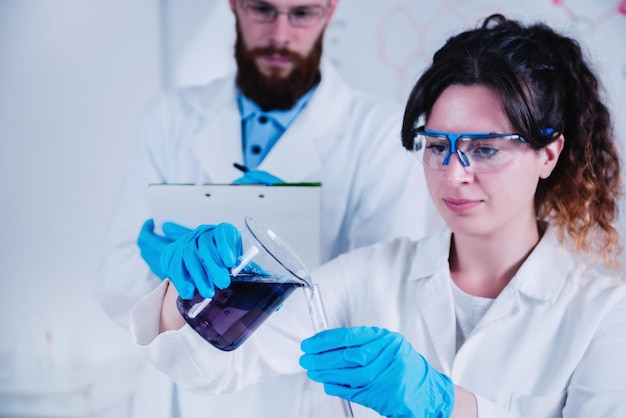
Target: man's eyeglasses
(477,151)
(299,16)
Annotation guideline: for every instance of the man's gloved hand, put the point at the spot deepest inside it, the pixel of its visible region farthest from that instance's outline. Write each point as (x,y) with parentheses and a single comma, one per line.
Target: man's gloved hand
(379,369)
(258,177)
(201,259)
(151,244)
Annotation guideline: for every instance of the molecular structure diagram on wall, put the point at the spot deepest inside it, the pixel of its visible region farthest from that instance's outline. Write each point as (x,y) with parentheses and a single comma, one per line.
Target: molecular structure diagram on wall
(426,29)
(592,23)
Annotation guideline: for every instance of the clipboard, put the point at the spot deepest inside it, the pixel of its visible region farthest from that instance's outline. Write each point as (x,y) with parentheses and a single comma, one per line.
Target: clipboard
(293,212)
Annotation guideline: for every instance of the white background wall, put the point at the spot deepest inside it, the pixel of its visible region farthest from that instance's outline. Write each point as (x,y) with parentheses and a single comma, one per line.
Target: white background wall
(74,76)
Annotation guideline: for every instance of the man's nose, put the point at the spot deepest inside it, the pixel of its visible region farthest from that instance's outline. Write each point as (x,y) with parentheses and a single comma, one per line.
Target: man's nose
(281,30)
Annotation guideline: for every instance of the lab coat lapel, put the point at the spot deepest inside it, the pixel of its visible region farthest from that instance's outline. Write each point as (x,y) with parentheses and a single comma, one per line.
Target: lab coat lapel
(439,317)
(218,145)
(323,120)
(294,158)
(535,279)
(431,273)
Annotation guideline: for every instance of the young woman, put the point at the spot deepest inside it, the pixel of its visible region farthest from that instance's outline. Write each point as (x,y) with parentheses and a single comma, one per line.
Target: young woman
(517,309)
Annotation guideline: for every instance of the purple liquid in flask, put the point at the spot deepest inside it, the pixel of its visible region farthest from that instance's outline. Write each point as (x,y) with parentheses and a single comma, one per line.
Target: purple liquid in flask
(234,313)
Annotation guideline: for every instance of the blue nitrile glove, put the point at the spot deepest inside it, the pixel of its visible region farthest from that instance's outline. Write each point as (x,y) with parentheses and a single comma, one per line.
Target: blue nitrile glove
(151,245)
(379,369)
(258,177)
(201,259)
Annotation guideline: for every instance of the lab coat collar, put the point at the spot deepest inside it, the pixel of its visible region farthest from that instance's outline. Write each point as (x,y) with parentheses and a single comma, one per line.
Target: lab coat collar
(218,145)
(542,276)
(547,268)
(431,255)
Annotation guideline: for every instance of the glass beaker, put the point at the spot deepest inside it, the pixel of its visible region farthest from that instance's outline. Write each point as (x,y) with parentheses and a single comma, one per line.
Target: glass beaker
(268,272)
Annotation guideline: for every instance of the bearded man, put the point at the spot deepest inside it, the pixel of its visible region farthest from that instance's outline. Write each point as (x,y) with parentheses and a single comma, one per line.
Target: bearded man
(285,111)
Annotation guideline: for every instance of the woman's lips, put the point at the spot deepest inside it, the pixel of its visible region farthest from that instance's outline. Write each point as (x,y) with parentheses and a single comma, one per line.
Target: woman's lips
(460,205)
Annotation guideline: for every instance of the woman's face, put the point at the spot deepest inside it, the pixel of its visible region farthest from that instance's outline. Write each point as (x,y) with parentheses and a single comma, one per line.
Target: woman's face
(483,203)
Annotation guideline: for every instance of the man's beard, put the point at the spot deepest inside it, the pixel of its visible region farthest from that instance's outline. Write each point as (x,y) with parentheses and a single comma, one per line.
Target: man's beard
(276,92)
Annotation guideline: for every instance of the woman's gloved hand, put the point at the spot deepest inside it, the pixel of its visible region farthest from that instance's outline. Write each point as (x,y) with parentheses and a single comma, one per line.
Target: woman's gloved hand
(151,244)
(379,369)
(258,177)
(201,259)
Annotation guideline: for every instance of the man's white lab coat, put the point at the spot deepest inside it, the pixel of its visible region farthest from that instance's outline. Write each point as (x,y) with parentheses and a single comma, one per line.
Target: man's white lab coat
(551,345)
(372,188)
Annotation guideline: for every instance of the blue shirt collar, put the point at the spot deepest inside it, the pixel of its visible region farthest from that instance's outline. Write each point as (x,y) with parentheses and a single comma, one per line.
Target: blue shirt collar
(248,109)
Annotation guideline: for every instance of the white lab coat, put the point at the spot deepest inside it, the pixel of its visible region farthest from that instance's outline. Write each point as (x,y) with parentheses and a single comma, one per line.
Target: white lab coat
(551,345)
(372,188)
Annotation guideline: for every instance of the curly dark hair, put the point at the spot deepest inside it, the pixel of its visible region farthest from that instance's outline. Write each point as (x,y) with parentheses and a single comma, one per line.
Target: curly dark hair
(547,88)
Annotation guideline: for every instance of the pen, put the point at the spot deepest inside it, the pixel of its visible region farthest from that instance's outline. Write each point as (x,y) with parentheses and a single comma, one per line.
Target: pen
(241,167)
